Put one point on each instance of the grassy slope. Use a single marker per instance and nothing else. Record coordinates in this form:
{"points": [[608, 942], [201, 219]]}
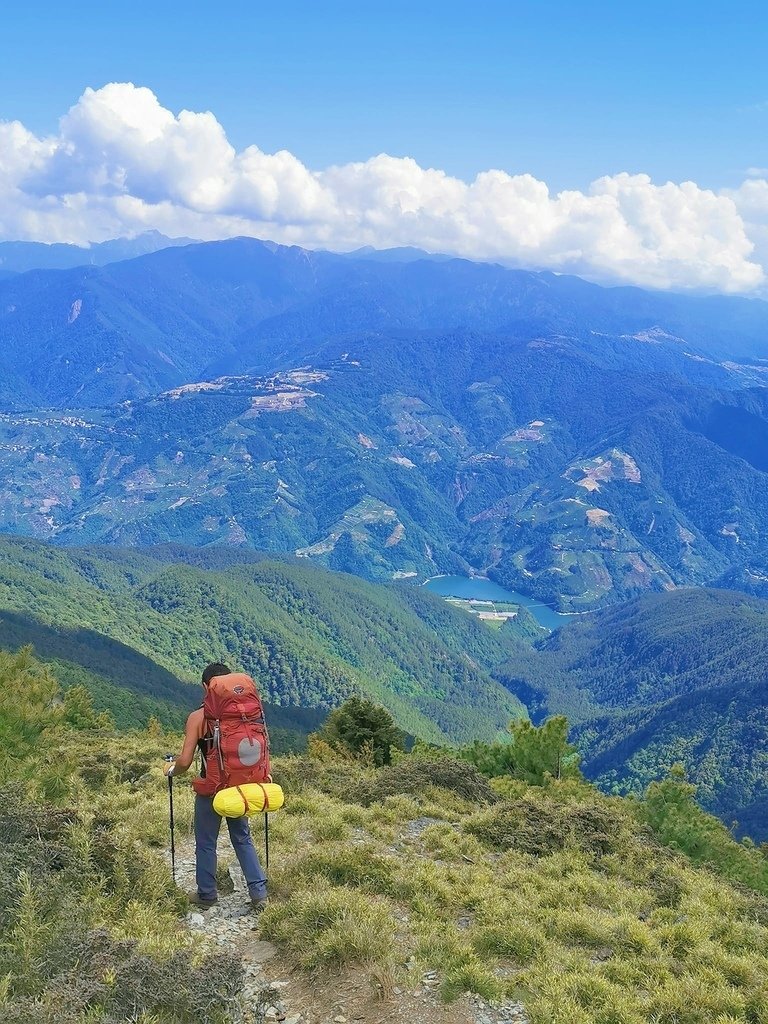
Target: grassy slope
{"points": [[309, 637], [559, 897], [588, 909]]}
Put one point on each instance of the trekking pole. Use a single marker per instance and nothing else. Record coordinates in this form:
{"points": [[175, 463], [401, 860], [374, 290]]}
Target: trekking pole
{"points": [[171, 757], [266, 844]]}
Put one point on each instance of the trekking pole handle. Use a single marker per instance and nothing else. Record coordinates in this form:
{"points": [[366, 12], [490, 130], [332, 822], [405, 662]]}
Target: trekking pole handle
{"points": [[171, 758]]}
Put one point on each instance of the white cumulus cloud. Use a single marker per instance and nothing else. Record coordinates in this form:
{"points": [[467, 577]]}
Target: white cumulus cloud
{"points": [[121, 163]]}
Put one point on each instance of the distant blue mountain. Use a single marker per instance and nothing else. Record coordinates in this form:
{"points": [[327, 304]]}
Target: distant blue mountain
{"points": [[393, 419], [97, 335], [18, 257], [399, 254]]}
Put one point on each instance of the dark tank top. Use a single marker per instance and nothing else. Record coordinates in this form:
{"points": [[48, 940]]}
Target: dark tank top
{"points": [[204, 746]]}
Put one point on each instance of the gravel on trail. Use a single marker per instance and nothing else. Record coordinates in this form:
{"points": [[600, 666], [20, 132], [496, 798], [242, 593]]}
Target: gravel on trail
{"points": [[273, 994]]}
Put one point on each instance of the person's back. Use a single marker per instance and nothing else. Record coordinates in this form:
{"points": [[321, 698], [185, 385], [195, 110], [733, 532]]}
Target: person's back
{"points": [[199, 735]]}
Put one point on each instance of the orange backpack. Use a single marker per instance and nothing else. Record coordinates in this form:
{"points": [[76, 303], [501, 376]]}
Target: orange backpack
{"points": [[235, 744]]}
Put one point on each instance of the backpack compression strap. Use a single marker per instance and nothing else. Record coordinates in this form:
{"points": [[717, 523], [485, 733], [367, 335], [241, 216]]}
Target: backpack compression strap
{"points": [[244, 798]]}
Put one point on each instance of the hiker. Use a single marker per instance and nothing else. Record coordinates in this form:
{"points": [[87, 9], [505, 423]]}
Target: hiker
{"points": [[199, 735]]}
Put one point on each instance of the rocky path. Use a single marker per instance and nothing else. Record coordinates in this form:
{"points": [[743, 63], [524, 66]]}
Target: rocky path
{"points": [[273, 994], [232, 924]]}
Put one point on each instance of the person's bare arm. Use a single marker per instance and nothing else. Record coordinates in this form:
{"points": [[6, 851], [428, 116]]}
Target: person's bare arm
{"points": [[191, 736]]}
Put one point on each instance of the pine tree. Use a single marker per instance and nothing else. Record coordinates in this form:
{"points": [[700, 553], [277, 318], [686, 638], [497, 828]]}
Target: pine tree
{"points": [[364, 729], [534, 753]]}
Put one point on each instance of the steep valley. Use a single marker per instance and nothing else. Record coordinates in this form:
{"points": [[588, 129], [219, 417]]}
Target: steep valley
{"points": [[226, 421]]}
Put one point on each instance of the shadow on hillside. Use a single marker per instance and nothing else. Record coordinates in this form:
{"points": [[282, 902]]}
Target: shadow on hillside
{"points": [[127, 668], [116, 662]]}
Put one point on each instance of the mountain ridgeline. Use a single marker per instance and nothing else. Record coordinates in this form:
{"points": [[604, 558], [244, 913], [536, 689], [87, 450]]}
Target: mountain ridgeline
{"points": [[664, 679], [185, 312], [145, 623], [670, 678], [191, 438], [19, 257], [390, 419]]}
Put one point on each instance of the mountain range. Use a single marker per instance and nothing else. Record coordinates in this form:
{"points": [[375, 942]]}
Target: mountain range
{"points": [[666, 678], [227, 420], [663, 679], [148, 621], [393, 419], [18, 257]]}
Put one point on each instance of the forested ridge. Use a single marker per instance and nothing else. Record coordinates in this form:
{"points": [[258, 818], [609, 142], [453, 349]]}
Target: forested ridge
{"points": [[309, 637], [677, 677], [581, 444]]}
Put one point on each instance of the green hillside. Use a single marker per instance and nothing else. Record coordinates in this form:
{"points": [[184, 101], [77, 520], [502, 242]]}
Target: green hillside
{"points": [[413, 454], [130, 686], [678, 677], [309, 637], [421, 891]]}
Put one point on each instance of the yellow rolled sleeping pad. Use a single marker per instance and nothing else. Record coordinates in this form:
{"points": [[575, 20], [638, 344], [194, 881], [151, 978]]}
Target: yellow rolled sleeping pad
{"points": [[250, 798]]}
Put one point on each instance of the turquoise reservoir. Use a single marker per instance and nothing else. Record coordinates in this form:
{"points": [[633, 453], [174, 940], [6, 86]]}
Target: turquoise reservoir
{"points": [[480, 589]]}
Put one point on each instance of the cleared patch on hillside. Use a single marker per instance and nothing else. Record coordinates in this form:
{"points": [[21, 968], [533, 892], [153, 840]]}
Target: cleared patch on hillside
{"points": [[602, 469]]}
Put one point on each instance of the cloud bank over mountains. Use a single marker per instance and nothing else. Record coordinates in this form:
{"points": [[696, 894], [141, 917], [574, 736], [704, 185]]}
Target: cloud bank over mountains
{"points": [[121, 163]]}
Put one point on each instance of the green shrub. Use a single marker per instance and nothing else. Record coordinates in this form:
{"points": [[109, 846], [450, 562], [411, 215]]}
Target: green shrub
{"points": [[298, 772], [677, 821], [415, 776], [364, 730], [59, 877], [519, 825], [111, 981], [533, 754], [542, 827]]}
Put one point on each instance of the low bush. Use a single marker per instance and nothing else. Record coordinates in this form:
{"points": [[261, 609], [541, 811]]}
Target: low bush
{"points": [[541, 826], [107, 980], [60, 876], [299, 772], [415, 776]]}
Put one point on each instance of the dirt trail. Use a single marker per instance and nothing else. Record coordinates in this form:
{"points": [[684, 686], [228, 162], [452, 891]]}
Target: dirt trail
{"points": [[274, 994]]}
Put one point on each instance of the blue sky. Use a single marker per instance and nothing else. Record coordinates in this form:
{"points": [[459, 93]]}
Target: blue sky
{"points": [[564, 91], [625, 143]]}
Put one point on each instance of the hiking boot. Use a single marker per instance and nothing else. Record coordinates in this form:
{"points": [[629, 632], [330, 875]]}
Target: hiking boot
{"points": [[197, 901], [259, 905]]}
